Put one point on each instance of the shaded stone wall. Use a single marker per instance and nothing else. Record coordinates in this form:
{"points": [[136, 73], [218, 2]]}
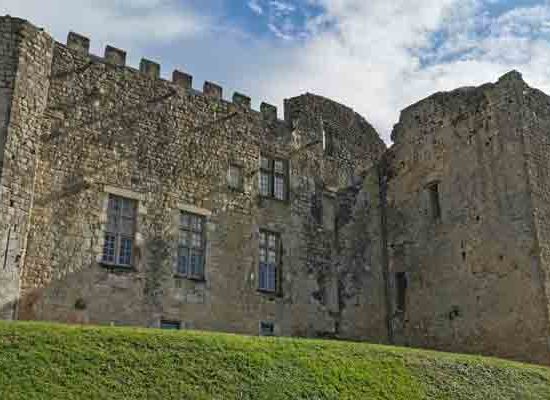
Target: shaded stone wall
{"points": [[25, 64], [535, 120], [359, 260], [473, 274], [114, 129]]}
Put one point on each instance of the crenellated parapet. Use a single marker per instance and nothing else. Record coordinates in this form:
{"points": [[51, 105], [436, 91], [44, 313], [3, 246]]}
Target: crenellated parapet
{"points": [[117, 57]]}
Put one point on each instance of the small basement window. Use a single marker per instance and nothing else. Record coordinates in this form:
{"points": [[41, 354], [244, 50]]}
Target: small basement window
{"points": [[267, 328], [174, 325], [400, 292], [435, 204]]}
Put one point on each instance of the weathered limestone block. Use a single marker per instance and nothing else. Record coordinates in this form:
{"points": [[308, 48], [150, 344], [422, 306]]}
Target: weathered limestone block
{"points": [[115, 56], [182, 79]]}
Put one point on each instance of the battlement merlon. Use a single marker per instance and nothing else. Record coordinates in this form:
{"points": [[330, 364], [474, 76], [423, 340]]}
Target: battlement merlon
{"points": [[115, 56], [78, 42]]}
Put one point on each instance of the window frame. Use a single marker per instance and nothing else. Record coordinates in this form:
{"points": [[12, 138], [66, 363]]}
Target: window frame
{"points": [[277, 290], [271, 172], [169, 324], [190, 232], [270, 326], [240, 184], [118, 233]]}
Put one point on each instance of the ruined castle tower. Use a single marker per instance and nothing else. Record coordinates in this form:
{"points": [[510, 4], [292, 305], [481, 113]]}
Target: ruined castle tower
{"points": [[129, 199], [467, 220]]}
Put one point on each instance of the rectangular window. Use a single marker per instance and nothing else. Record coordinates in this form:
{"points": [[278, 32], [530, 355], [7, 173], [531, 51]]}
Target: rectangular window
{"points": [[118, 247], [191, 248], [175, 325], [274, 178], [267, 328], [435, 204], [401, 289], [269, 261], [235, 177]]}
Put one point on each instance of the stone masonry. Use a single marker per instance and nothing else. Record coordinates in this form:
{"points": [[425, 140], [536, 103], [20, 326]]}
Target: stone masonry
{"points": [[306, 226]]}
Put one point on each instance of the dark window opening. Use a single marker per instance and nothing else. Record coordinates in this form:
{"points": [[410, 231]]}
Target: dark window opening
{"points": [[435, 204], [274, 178], [267, 328], [118, 246], [192, 246], [328, 139], [175, 325], [401, 289], [270, 244], [235, 177]]}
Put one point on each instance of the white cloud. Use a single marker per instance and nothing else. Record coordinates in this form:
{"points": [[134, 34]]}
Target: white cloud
{"points": [[130, 22], [281, 7], [279, 32], [380, 56], [255, 7]]}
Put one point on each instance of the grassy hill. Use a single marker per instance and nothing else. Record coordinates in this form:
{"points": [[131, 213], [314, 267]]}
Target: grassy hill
{"points": [[47, 361]]}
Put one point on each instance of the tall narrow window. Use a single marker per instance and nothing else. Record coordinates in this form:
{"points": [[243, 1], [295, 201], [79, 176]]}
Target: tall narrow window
{"points": [[269, 261], [401, 289], [328, 139], [191, 247], [274, 178], [235, 177], [435, 204], [118, 246]]}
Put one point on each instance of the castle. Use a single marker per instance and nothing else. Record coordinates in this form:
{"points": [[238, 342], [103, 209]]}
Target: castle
{"points": [[128, 199]]}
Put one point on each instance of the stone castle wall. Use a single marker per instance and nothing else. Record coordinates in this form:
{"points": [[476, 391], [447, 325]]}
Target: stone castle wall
{"points": [[24, 81], [440, 241], [535, 123], [114, 129]]}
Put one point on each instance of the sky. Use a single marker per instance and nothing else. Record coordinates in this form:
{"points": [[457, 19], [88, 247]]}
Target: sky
{"points": [[376, 56]]}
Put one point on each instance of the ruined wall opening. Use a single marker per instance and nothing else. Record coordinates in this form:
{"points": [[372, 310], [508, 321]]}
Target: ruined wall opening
{"points": [[435, 202], [400, 291], [328, 139]]}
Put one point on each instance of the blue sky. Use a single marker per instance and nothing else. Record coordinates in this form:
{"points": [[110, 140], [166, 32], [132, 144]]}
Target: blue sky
{"points": [[377, 56]]}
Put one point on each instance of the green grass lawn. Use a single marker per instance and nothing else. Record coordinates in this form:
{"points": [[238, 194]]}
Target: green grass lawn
{"points": [[48, 361]]}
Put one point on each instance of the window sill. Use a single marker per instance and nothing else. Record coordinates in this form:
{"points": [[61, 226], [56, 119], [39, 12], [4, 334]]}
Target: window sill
{"points": [[117, 267], [190, 278], [270, 293], [271, 198], [235, 189]]}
